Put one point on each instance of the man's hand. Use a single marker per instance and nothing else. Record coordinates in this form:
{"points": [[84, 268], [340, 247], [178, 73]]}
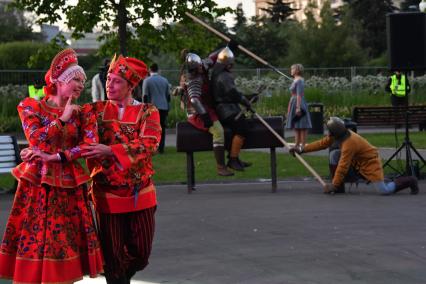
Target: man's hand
{"points": [[295, 149], [95, 150], [207, 120], [28, 154], [329, 188], [245, 102]]}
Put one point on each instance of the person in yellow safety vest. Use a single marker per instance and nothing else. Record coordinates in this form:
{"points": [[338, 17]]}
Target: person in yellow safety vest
{"points": [[36, 91], [399, 88]]}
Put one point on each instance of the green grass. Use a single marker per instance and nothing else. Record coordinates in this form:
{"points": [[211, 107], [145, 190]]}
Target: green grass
{"points": [[386, 140], [171, 167]]}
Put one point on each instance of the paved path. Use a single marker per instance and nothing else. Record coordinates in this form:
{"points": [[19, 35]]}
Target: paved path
{"points": [[243, 233]]}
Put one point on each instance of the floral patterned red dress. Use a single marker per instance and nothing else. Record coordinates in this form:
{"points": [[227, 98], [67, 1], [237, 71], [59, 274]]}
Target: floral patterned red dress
{"points": [[50, 236]]}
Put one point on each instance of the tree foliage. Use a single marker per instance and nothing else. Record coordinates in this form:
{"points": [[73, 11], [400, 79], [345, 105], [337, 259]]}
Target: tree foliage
{"points": [[369, 18], [279, 11], [14, 26], [130, 20], [15, 55], [323, 43]]}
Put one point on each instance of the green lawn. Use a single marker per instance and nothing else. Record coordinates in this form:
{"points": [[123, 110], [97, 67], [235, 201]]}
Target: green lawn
{"points": [[171, 166]]}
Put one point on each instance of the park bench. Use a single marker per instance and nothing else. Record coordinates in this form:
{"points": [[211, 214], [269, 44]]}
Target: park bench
{"points": [[390, 116], [9, 156], [190, 140]]}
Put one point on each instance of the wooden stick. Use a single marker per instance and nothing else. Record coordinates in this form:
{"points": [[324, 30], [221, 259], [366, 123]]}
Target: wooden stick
{"points": [[307, 166], [242, 48]]}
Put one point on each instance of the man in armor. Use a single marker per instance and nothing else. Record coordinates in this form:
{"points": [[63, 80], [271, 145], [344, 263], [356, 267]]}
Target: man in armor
{"points": [[355, 152], [195, 97], [227, 100]]}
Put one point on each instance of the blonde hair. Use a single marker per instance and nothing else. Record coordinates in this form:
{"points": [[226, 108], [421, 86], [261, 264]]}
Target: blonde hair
{"points": [[298, 68]]}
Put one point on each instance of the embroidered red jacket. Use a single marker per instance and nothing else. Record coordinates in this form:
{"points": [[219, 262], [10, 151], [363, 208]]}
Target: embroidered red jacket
{"points": [[123, 182], [44, 131]]}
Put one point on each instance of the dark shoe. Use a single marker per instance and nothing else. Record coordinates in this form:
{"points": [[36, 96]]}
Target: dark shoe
{"points": [[244, 164], [234, 163], [405, 182]]}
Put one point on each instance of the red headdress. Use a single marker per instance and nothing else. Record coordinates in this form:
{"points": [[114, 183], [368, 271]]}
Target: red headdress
{"points": [[63, 68], [131, 69]]}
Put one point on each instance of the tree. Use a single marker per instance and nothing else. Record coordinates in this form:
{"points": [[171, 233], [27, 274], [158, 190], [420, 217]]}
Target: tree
{"points": [[14, 26], [279, 11], [323, 43], [240, 18], [370, 23], [131, 20]]}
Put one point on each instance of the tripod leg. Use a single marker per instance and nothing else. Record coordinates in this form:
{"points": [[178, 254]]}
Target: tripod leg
{"points": [[418, 154], [394, 155], [409, 167]]}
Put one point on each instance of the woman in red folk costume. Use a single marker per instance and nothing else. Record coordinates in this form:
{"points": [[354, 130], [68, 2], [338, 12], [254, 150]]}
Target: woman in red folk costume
{"points": [[123, 191], [50, 235]]}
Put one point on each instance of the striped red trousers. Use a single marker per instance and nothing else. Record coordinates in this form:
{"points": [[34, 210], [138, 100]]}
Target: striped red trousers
{"points": [[126, 241]]}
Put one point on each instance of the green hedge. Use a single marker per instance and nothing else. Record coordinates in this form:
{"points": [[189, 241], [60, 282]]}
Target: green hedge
{"points": [[336, 103]]}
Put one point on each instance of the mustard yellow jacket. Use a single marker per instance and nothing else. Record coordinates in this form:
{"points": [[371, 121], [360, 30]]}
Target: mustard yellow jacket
{"points": [[356, 152]]}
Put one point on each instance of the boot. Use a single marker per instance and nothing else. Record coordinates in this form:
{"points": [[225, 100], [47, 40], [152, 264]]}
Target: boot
{"points": [[245, 164], [219, 154], [234, 163], [340, 188], [405, 182], [236, 145]]}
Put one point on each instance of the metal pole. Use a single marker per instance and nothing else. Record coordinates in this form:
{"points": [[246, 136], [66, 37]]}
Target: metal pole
{"points": [[307, 166], [240, 47]]}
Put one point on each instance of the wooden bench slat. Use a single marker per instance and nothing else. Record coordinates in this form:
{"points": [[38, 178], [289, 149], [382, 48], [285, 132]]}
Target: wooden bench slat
{"points": [[6, 139], [389, 116], [8, 165], [7, 153], [5, 170], [7, 158], [6, 146]]}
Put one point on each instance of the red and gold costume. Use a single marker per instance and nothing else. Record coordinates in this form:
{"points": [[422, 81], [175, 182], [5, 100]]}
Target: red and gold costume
{"points": [[50, 235], [133, 140], [122, 188]]}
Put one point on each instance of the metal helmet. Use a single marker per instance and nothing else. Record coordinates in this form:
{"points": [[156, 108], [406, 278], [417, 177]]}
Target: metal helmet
{"points": [[336, 127], [193, 61], [226, 56]]}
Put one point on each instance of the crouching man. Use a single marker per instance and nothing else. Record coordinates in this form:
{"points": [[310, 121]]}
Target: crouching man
{"points": [[353, 152]]}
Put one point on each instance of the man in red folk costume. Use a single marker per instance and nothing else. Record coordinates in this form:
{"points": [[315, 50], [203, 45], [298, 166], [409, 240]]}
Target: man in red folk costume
{"points": [[50, 235], [121, 168]]}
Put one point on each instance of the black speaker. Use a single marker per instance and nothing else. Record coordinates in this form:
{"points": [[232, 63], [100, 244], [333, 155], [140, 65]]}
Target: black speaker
{"points": [[406, 40]]}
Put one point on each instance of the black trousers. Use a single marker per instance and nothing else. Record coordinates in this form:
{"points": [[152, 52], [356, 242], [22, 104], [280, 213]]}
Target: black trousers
{"points": [[163, 120], [238, 127], [399, 101]]}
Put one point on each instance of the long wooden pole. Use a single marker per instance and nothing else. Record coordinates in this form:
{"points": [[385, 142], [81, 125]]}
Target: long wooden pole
{"points": [[307, 166], [242, 48]]}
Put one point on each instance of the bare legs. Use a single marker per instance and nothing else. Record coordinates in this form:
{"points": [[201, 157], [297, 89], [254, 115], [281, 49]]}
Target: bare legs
{"points": [[300, 135]]}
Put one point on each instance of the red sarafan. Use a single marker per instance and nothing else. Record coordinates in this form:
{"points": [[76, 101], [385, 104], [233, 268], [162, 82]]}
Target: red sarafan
{"points": [[50, 235]]}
